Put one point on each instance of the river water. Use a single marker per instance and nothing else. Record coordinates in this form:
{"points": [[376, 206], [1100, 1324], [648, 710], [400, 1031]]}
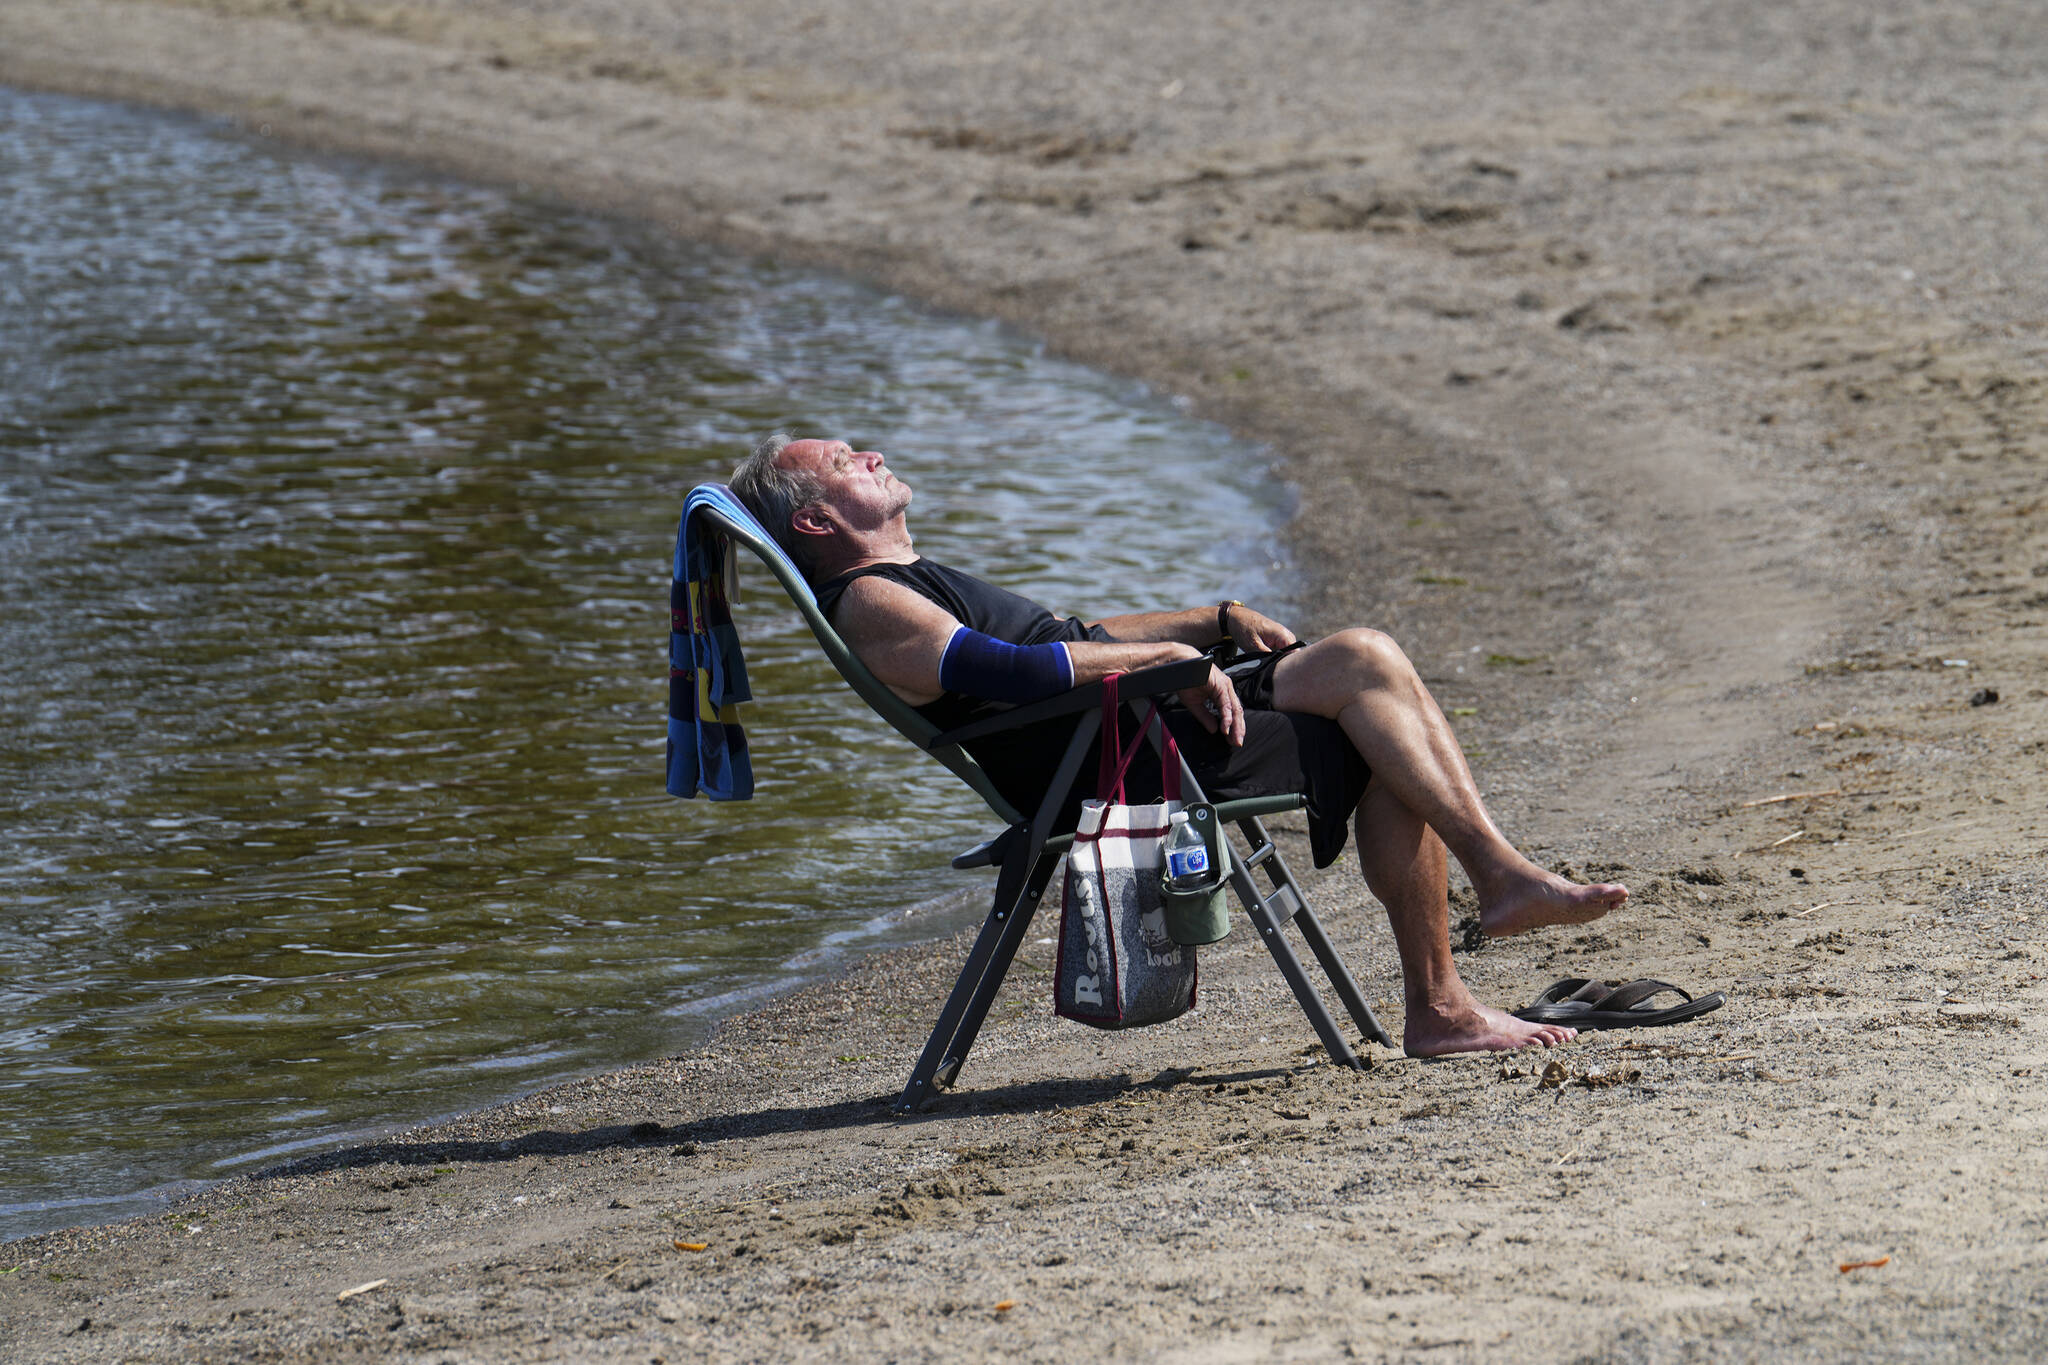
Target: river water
{"points": [[336, 505]]}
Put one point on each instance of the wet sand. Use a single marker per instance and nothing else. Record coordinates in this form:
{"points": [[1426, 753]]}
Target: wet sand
{"points": [[1671, 383]]}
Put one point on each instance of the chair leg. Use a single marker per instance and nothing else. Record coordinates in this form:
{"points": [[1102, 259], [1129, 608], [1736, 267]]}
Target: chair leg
{"points": [[1340, 977], [998, 968], [1026, 869], [1305, 995], [1333, 966], [987, 962], [1282, 879]]}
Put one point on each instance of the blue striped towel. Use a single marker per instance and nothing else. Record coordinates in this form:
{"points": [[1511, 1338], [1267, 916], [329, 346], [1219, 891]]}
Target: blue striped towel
{"points": [[707, 678]]}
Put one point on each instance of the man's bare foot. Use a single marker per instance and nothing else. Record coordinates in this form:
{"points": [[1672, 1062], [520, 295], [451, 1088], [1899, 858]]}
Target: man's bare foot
{"points": [[1475, 1028], [1532, 899]]}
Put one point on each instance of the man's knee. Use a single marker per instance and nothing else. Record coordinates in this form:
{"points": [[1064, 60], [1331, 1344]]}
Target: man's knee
{"points": [[1375, 653]]}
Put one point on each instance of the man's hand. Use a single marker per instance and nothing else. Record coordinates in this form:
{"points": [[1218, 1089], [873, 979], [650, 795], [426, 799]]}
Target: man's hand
{"points": [[1216, 706], [1257, 633]]}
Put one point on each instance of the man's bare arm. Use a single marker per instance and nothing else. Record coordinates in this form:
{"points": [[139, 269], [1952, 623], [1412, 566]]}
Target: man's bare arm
{"points": [[1197, 627], [901, 636], [1215, 703], [1194, 627]]}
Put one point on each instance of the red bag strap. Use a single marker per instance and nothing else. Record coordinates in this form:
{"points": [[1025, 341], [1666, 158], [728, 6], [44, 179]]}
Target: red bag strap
{"points": [[1169, 763], [1116, 758], [1109, 773]]}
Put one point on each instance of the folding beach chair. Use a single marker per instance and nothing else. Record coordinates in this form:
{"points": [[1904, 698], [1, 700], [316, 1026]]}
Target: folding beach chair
{"points": [[1027, 851]]}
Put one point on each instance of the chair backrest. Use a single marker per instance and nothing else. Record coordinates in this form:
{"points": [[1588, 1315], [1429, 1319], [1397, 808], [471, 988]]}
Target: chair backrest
{"points": [[886, 704]]}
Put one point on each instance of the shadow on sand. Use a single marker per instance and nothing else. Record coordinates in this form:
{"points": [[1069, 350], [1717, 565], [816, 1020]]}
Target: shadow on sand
{"points": [[1027, 1097]]}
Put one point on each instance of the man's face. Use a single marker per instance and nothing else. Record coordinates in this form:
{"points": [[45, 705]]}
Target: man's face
{"points": [[860, 492]]}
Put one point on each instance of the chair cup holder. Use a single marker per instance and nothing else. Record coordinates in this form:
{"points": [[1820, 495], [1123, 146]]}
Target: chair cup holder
{"points": [[1197, 917], [1202, 915]]}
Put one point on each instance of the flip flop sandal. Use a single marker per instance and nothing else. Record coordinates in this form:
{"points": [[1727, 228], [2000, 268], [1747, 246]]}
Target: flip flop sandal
{"points": [[1578, 1003]]}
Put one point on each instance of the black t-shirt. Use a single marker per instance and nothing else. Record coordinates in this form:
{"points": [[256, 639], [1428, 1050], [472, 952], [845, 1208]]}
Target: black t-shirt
{"points": [[1018, 762], [995, 612]]}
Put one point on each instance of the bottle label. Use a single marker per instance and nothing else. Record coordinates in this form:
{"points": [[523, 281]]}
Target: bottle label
{"points": [[1187, 862]]}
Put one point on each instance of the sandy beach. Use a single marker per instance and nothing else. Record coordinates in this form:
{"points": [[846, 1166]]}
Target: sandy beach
{"points": [[1669, 380]]}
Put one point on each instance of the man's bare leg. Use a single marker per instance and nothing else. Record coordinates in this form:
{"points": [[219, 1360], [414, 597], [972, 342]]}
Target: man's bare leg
{"points": [[1362, 680], [1405, 866]]}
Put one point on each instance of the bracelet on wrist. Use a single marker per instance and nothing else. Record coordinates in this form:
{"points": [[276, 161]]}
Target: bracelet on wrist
{"points": [[1223, 635]]}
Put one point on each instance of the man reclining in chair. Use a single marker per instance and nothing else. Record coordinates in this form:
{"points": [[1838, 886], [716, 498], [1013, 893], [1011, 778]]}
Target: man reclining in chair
{"points": [[1345, 720]]}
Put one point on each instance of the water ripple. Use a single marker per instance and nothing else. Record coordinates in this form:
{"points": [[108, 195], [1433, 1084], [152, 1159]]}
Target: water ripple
{"points": [[337, 506]]}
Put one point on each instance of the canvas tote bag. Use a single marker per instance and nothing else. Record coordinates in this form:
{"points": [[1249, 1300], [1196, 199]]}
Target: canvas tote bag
{"points": [[1117, 967]]}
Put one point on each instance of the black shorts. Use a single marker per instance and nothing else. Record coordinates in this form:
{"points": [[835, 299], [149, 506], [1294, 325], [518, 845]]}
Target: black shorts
{"points": [[1283, 751]]}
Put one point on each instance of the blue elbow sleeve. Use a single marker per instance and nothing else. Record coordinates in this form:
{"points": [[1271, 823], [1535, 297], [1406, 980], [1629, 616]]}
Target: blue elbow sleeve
{"points": [[978, 665]]}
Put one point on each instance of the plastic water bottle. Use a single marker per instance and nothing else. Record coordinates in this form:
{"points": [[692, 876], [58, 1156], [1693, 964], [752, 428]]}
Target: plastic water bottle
{"points": [[1187, 857]]}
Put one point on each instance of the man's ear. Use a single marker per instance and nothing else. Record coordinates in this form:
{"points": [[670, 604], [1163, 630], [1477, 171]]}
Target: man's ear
{"points": [[812, 521]]}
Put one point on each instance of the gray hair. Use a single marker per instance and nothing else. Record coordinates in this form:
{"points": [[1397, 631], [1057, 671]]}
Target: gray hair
{"points": [[775, 495]]}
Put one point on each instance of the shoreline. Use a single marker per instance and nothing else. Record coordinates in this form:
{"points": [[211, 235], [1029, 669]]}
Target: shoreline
{"points": [[817, 966], [121, 1164], [1646, 387]]}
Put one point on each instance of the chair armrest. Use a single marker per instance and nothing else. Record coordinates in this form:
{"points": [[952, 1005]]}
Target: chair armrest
{"points": [[1145, 682]]}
